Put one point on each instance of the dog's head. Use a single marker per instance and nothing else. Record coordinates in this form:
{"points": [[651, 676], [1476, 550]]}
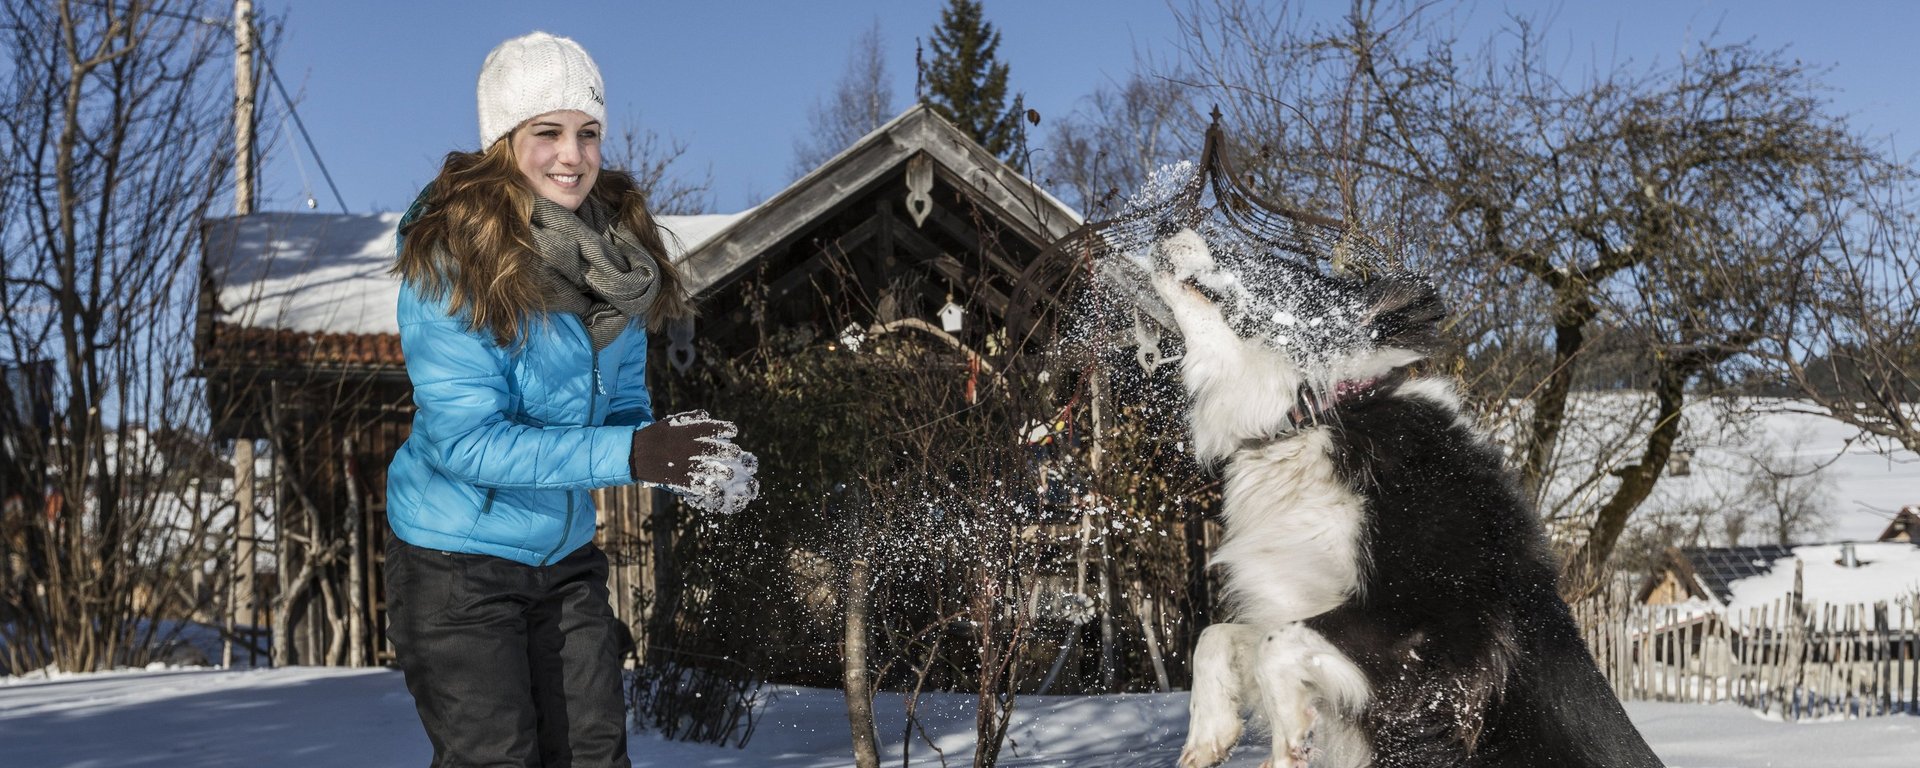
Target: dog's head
{"points": [[1260, 330]]}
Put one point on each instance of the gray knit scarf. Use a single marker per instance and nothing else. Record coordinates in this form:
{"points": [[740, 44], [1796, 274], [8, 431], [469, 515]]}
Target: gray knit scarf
{"points": [[596, 268]]}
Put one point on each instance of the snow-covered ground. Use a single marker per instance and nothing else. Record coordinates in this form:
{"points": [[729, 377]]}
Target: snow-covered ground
{"points": [[314, 718]]}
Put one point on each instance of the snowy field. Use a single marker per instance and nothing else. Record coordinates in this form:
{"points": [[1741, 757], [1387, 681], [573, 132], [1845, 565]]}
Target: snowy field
{"points": [[1859, 484], [317, 718]]}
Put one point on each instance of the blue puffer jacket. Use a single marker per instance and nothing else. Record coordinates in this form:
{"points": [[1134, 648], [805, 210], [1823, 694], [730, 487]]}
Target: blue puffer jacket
{"points": [[506, 443]]}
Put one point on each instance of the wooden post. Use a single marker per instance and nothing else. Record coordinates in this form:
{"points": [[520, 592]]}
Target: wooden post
{"points": [[280, 652], [859, 691], [1728, 661], [665, 605], [1149, 614], [1912, 634], [1882, 644], [240, 608], [356, 560], [1649, 653], [244, 173], [1796, 631], [1108, 650], [1769, 655]]}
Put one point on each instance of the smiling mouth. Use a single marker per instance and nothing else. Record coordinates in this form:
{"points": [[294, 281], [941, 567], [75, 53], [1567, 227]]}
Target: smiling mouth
{"points": [[565, 180]]}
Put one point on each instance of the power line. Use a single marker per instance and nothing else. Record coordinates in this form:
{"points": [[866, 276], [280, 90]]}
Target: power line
{"points": [[274, 75], [227, 24]]}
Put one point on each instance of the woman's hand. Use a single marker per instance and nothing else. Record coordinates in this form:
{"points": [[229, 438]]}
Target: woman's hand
{"points": [[666, 451], [693, 455]]}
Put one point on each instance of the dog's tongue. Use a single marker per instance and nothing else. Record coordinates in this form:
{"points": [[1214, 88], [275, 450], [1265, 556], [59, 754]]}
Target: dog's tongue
{"points": [[1350, 387]]}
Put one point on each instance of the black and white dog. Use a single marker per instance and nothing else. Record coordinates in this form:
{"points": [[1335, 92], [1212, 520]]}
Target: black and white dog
{"points": [[1393, 598]]}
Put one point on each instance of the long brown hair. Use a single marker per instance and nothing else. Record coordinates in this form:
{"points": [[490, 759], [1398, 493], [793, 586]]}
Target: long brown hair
{"points": [[473, 240]]}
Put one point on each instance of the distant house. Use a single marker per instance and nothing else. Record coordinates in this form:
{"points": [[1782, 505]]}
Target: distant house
{"points": [[1740, 577], [1905, 526], [1706, 573]]}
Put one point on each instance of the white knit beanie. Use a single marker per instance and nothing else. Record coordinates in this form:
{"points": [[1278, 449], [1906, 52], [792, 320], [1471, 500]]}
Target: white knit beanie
{"points": [[532, 75]]}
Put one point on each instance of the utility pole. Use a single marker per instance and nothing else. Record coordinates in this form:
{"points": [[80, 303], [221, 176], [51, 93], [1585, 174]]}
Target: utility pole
{"points": [[241, 609], [243, 97]]}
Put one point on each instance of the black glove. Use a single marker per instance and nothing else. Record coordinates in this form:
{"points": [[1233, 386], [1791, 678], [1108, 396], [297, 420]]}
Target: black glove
{"points": [[668, 452]]}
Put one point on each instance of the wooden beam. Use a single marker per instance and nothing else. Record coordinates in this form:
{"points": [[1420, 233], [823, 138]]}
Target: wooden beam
{"points": [[887, 309], [969, 237], [953, 270], [778, 223], [794, 278]]}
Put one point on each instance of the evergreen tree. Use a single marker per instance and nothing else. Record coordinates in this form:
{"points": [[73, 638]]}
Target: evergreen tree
{"points": [[964, 82]]}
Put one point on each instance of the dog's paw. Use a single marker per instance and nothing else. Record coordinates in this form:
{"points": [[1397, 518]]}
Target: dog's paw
{"points": [[1297, 757], [1203, 755], [1186, 254]]}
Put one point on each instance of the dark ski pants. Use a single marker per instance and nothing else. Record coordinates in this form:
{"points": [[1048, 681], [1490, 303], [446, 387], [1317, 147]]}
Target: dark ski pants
{"points": [[509, 664]]}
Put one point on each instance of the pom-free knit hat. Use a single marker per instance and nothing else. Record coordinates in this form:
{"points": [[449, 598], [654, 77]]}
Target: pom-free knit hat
{"points": [[532, 75]]}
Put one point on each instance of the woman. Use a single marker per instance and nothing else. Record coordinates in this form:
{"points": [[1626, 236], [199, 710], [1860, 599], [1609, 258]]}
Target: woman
{"points": [[529, 276]]}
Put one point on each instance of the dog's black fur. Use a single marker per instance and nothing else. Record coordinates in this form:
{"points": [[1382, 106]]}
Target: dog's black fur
{"points": [[1473, 658]]}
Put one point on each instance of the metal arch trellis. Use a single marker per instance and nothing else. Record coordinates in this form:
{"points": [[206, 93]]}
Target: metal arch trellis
{"points": [[1216, 195], [1304, 235]]}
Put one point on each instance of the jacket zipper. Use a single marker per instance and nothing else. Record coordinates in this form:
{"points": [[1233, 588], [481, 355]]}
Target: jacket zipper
{"points": [[593, 406]]}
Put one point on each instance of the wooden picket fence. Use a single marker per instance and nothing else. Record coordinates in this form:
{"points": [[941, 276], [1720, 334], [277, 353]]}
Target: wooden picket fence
{"points": [[1792, 658]]}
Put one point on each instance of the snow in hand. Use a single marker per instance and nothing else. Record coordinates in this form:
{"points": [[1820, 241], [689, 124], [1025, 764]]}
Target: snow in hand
{"points": [[310, 717], [723, 476]]}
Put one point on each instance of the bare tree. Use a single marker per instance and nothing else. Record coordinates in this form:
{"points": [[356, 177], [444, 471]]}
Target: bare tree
{"points": [[1855, 350], [862, 100], [112, 119], [650, 158], [1788, 490], [1108, 147]]}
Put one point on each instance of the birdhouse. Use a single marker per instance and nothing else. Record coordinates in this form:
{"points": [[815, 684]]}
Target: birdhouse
{"points": [[950, 317]]}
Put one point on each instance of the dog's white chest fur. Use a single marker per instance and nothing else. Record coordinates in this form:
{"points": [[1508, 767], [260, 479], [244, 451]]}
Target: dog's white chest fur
{"points": [[1292, 545]]}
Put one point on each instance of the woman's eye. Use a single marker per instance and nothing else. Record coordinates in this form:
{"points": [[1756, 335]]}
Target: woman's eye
{"points": [[589, 134]]}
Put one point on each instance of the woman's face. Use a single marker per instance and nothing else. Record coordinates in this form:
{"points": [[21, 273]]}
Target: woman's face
{"points": [[560, 154]]}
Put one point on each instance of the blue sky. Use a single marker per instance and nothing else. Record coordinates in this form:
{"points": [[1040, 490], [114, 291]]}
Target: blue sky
{"points": [[386, 87]]}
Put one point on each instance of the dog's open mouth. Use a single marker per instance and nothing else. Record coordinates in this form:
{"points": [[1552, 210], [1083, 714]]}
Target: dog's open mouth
{"points": [[1213, 295]]}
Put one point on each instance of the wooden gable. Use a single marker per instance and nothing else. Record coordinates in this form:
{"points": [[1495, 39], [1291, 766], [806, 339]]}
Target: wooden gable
{"points": [[1904, 527], [913, 216], [1674, 581]]}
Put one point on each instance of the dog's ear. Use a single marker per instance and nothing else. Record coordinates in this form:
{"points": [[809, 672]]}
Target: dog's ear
{"points": [[1403, 311]]}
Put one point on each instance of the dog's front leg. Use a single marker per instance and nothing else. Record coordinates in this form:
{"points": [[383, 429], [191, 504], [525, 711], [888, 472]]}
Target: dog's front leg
{"points": [[1221, 660], [1304, 680]]}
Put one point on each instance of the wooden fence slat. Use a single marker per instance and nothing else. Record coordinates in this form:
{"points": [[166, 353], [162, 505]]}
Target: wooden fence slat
{"points": [[1883, 643]]}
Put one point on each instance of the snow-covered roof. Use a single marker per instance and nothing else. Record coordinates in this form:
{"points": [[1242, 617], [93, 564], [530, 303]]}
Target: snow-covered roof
{"points": [[327, 273], [1716, 569], [1887, 570], [1011, 199]]}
